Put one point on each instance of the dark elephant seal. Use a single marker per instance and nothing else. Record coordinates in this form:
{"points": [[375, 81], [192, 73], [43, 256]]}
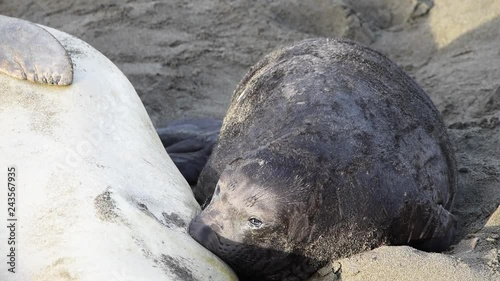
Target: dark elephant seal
{"points": [[328, 149]]}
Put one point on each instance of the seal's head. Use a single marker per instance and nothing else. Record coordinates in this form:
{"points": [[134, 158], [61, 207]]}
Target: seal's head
{"points": [[258, 220]]}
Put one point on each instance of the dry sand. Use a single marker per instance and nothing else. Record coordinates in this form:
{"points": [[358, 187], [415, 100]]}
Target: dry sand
{"points": [[185, 58]]}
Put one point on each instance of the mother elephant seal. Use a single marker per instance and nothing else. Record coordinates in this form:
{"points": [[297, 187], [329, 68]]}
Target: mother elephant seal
{"points": [[90, 192], [328, 149]]}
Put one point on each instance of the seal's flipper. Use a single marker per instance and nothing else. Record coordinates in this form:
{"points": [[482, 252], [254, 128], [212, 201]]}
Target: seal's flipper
{"points": [[441, 232], [189, 144], [29, 52]]}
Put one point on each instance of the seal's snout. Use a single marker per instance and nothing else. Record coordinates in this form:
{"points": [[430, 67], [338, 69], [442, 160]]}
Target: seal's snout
{"points": [[200, 232]]}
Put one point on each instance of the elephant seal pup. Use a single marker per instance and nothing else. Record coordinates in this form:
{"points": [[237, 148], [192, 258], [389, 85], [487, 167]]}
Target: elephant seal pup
{"points": [[29, 52], [328, 149]]}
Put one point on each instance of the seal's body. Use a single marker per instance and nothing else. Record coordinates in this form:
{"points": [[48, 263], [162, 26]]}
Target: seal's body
{"points": [[63, 136], [328, 149]]}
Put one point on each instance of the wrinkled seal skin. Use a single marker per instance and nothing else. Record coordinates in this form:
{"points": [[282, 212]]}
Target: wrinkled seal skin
{"points": [[328, 149], [29, 52]]}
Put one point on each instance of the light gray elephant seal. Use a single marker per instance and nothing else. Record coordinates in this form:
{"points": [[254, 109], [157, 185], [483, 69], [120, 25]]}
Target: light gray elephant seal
{"points": [[83, 194], [29, 52], [328, 149]]}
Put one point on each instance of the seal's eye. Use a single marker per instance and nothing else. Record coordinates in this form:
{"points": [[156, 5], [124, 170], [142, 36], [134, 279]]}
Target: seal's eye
{"points": [[215, 197], [256, 223], [217, 190]]}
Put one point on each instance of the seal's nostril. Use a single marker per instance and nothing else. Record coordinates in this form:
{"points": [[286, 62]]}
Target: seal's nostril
{"points": [[205, 231]]}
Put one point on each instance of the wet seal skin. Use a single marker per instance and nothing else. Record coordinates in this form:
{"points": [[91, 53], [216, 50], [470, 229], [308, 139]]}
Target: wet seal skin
{"points": [[328, 149], [29, 52]]}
